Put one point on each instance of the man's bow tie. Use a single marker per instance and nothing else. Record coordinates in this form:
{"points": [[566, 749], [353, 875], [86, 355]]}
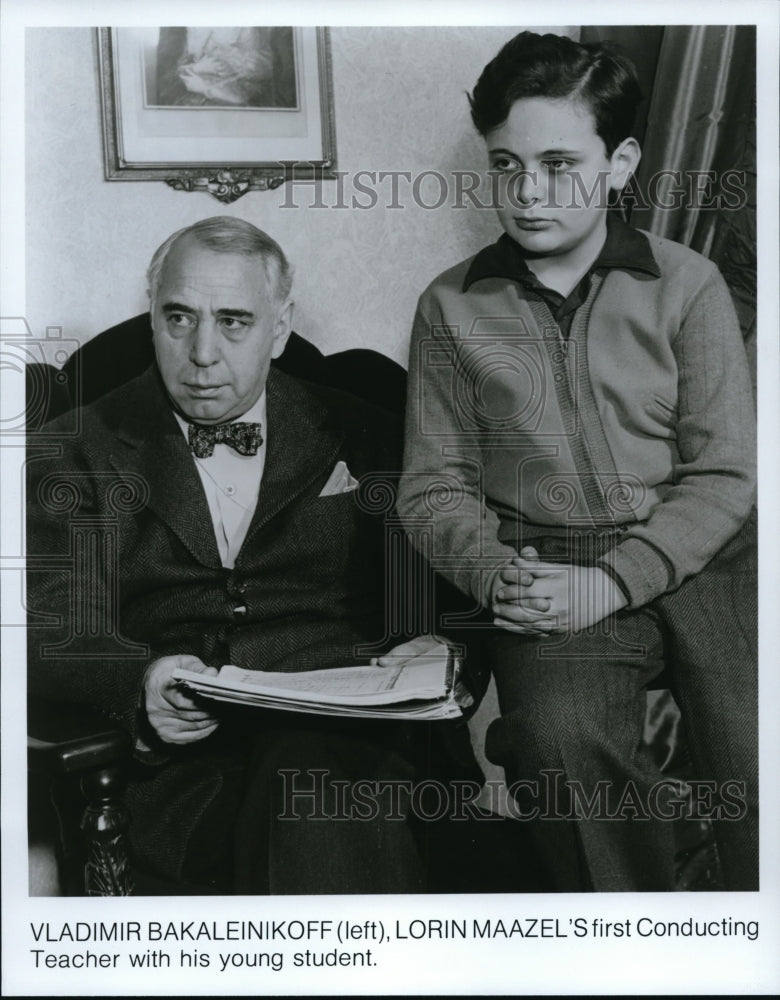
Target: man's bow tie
{"points": [[245, 438]]}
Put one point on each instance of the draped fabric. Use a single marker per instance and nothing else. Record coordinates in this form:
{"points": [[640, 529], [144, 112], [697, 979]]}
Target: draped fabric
{"points": [[696, 182], [699, 157]]}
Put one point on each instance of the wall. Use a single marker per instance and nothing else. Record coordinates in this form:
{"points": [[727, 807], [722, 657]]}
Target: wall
{"points": [[400, 104]]}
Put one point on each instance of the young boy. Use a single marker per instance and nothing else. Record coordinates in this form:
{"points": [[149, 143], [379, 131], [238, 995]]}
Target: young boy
{"points": [[580, 459]]}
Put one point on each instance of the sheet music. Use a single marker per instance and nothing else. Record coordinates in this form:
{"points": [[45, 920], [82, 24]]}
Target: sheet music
{"points": [[415, 687]]}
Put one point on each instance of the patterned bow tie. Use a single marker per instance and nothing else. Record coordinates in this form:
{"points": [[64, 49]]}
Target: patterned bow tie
{"points": [[245, 438]]}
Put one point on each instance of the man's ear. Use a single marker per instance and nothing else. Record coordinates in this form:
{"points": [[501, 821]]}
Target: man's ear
{"points": [[283, 328], [623, 163], [152, 320]]}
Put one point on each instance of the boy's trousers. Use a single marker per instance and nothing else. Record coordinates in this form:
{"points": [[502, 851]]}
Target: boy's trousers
{"points": [[573, 709]]}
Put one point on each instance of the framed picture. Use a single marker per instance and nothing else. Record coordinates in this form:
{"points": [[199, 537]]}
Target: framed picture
{"points": [[222, 110]]}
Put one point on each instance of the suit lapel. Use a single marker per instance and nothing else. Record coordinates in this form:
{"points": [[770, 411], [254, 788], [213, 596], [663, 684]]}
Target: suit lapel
{"points": [[300, 446], [151, 444]]}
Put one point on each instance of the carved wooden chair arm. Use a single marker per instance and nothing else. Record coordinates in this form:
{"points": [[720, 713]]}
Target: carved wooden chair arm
{"points": [[75, 749]]}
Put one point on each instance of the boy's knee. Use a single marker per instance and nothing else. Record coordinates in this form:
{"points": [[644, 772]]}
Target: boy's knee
{"points": [[522, 739]]}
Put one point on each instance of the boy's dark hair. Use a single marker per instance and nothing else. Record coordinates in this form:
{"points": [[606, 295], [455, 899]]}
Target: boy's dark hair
{"points": [[532, 65]]}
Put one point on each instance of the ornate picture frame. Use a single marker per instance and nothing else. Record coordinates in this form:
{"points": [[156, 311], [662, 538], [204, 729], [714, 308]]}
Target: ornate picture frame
{"points": [[219, 110]]}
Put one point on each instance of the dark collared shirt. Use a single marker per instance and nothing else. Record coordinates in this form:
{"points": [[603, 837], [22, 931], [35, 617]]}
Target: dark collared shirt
{"points": [[624, 247]]}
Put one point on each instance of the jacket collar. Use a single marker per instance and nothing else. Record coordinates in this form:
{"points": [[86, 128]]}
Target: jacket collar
{"points": [[625, 248], [301, 444]]}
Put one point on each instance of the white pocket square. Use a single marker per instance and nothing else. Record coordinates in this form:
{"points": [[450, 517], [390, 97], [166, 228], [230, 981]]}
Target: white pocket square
{"points": [[340, 480]]}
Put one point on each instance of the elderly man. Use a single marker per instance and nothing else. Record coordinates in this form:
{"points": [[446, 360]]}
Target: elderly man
{"points": [[229, 532]]}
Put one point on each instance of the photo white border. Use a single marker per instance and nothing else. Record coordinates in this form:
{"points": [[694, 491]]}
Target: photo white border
{"points": [[639, 967]]}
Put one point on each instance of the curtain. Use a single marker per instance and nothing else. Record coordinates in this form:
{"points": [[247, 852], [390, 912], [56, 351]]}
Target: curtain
{"points": [[699, 157], [696, 182]]}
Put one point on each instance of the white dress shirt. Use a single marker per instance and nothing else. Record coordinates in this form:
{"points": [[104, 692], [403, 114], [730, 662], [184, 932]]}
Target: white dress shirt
{"points": [[232, 483]]}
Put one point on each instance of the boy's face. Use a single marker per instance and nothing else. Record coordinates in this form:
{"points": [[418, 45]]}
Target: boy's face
{"points": [[555, 176]]}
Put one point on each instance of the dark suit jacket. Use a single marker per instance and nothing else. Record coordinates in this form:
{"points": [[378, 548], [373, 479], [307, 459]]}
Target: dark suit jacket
{"points": [[123, 561]]}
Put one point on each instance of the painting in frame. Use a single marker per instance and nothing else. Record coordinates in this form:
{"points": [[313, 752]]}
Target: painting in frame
{"points": [[224, 110]]}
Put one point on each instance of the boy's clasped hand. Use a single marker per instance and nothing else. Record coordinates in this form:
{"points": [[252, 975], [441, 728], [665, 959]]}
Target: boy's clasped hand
{"points": [[531, 597]]}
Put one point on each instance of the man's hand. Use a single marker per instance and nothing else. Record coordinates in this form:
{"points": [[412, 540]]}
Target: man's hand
{"points": [[577, 597], [173, 713], [407, 650]]}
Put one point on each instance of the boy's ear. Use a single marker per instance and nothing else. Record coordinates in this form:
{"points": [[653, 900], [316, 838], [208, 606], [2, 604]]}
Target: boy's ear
{"points": [[624, 161]]}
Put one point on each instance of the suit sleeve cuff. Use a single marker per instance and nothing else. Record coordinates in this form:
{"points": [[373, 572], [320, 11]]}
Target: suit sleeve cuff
{"points": [[148, 748]]}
